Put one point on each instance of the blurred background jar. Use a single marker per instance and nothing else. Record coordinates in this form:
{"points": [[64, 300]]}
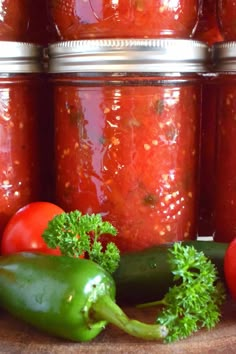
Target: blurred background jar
{"points": [[226, 12], [224, 55], [133, 154], [83, 19], [207, 30], [20, 161]]}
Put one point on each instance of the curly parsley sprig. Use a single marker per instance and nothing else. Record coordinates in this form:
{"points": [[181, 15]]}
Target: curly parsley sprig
{"points": [[75, 234], [195, 301]]}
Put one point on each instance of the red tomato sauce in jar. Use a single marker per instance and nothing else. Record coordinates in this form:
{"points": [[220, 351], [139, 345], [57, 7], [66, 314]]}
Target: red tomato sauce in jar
{"points": [[225, 203], [14, 19], [84, 19], [226, 13], [127, 144], [27, 21], [19, 144]]}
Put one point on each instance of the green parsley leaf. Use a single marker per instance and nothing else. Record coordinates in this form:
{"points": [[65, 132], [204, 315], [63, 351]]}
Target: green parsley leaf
{"points": [[75, 234], [195, 301]]}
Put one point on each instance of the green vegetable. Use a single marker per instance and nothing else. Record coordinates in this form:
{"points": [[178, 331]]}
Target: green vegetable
{"points": [[146, 275], [67, 297], [75, 234], [74, 298], [195, 301]]}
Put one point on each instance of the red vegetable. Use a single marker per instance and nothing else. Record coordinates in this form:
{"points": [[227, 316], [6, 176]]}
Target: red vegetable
{"points": [[24, 230], [230, 268]]}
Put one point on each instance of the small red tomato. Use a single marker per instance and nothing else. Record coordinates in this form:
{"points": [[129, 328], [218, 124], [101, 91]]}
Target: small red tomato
{"points": [[23, 232], [230, 268]]}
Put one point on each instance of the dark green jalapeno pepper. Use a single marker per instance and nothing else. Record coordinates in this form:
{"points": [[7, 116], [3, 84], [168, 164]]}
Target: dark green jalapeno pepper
{"points": [[146, 276], [68, 297]]}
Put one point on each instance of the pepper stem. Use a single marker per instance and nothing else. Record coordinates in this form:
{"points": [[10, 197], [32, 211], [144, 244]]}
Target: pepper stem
{"points": [[106, 309]]}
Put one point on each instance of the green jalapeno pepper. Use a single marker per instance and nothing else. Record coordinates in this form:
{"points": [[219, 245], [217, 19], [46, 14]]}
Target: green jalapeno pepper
{"points": [[68, 297], [145, 276]]}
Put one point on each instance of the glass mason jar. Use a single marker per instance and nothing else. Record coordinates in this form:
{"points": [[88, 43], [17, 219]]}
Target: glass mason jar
{"points": [[14, 19], [91, 19], [224, 55], [226, 12], [20, 180], [127, 117]]}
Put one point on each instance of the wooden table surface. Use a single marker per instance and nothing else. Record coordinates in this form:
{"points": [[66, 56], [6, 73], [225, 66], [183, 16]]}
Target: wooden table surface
{"points": [[17, 337]]}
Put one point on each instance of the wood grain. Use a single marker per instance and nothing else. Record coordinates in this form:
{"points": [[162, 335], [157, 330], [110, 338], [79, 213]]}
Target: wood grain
{"points": [[17, 337]]}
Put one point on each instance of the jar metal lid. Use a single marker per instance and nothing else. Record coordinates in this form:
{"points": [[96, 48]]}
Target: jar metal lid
{"points": [[19, 57], [129, 55], [224, 56]]}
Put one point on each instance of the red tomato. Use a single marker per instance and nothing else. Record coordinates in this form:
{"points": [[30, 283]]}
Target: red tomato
{"points": [[24, 230], [230, 268]]}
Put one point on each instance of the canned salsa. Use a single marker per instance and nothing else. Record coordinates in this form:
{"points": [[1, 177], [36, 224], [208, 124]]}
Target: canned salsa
{"points": [[226, 161], [127, 145], [225, 203], [226, 10], [20, 85], [14, 19], [83, 19]]}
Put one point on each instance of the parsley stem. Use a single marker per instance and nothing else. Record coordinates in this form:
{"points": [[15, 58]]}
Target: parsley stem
{"points": [[153, 303]]}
